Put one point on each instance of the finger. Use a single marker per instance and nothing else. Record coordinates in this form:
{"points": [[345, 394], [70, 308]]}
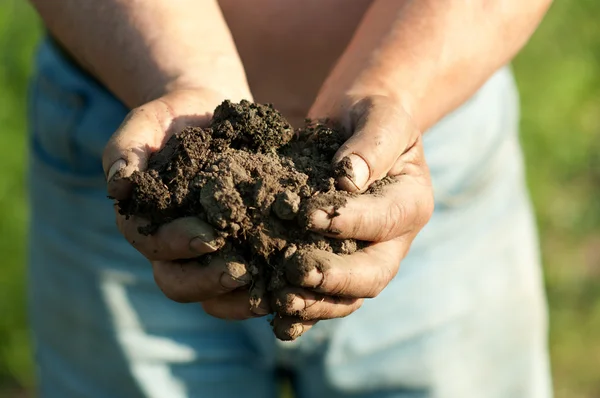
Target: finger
{"points": [[193, 282], [234, 306], [290, 328], [363, 274], [401, 207], [306, 305], [146, 129], [183, 238], [382, 132], [141, 133]]}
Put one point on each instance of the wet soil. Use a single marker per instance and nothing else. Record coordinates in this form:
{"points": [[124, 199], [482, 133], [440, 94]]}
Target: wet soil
{"points": [[255, 180]]}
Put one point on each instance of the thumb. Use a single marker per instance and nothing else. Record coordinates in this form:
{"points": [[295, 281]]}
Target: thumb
{"points": [[145, 130], [381, 133], [129, 148]]}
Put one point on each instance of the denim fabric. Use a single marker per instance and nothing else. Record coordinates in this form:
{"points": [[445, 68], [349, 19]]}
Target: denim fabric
{"points": [[465, 317]]}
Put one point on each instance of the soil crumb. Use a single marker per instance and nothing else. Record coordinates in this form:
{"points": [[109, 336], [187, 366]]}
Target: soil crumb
{"points": [[254, 179]]}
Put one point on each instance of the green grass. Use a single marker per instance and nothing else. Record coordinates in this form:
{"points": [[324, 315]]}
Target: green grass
{"points": [[18, 34], [559, 78]]}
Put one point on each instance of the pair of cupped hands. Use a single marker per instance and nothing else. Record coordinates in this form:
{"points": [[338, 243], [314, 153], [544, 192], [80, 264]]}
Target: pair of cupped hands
{"points": [[382, 141]]}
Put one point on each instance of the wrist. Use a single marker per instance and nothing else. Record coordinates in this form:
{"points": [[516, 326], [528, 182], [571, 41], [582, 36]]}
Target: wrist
{"points": [[197, 103], [338, 104], [189, 85], [399, 98]]}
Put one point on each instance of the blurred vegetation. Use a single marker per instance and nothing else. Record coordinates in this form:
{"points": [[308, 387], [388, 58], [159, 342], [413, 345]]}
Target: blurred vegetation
{"points": [[19, 31], [559, 79]]}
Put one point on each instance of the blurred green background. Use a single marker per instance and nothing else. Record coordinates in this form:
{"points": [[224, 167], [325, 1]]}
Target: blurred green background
{"points": [[559, 79]]}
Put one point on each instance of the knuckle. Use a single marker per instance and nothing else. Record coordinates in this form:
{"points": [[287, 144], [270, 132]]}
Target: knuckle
{"points": [[359, 223], [374, 292], [338, 286], [386, 274], [398, 213], [396, 220], [166, 280]]}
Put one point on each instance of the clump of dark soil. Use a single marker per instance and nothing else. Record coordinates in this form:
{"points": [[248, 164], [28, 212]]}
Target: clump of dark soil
{"points": [[254, 180]]}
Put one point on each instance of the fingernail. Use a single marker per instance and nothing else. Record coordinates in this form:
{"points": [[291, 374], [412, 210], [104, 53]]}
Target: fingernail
{"points": [[236, 276], [198, 245], [356, 170], [304, 270], [116, 167], [262, 309], [229, 282], [296, 330], [314, 279], [320, 220], [300, 304]]}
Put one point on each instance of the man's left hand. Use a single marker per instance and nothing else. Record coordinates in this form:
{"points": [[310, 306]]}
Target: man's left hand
{"points": [[384, 142]]}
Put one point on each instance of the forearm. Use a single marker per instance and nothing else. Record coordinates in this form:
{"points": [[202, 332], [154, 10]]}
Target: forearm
{"points": [[430, 55], [141, 49]]}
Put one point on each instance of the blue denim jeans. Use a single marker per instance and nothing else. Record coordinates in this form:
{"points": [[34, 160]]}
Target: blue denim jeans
{"points": [[464, 318]]}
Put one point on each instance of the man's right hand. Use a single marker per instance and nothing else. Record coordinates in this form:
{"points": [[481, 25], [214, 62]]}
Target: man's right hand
{"points": [[219, 286]]}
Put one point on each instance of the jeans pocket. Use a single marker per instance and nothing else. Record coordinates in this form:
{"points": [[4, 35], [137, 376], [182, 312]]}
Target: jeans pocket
{"points": [[54, 115], [71, 117]]}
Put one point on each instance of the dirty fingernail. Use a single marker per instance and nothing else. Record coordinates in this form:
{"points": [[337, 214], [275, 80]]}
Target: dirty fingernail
{"points": [[230, 282], [320, 220], [296, 330], [304, 270], [355, 170], [236, 275], [313, 279], [198, 245], [300, 304], [262, 309], [116, 167]]}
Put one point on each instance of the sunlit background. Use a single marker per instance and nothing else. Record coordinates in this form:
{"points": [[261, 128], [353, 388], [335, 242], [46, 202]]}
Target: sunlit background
{"points": [[559, 79]]}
